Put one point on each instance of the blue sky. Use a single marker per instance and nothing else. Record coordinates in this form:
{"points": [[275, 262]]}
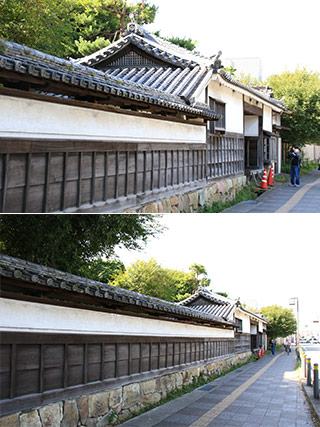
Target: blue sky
{"points": [[283, 33]]}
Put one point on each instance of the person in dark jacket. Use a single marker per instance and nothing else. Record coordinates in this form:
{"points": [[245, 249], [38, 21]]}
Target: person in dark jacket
{"points": [[273, 345], [294, 154]]}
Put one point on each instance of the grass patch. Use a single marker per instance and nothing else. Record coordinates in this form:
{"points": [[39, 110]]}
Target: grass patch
{"points": [[249, 192], [307, 166], [202, 380], [282, 178]]}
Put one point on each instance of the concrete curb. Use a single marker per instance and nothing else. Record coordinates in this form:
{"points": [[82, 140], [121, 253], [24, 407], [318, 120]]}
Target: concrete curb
{"points": [[315, 403]]}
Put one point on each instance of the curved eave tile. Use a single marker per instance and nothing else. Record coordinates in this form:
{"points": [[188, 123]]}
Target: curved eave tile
{"points": [[29, 272], [97, 81]]}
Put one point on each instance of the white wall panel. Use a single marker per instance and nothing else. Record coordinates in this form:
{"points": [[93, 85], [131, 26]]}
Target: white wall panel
{"points": [[25, 118], [33, 317]]}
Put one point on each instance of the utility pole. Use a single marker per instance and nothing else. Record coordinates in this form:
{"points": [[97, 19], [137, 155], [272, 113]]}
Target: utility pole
{"points": [[294, 301]]}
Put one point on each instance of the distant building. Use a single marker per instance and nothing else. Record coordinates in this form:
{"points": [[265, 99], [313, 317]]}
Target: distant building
{"points": [[310, 327], [252, 66]]}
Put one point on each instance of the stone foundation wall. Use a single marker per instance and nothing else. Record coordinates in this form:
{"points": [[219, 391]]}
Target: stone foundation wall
{"points": [[104, 408], [219, 191]]}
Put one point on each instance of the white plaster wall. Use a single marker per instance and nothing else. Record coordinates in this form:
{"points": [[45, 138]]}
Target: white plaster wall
{"points": [[260, 326], [267, 118], [234, 105], [279, 155], [251, 125], [33, 317], [253, 329], [25, 118], [276, 119], [245, 322]]}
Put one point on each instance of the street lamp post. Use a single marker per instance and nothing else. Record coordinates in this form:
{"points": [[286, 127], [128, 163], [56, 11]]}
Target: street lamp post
{"points": [[293, 301]]}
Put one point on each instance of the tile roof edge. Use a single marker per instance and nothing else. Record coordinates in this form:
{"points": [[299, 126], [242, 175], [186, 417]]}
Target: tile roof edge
{"points": [[49, 275], [165, 99], [229, 79]]}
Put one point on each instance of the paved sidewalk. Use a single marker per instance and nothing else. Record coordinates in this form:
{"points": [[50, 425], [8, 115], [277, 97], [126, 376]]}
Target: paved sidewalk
{"points": [[265, 393], [284, 199]]}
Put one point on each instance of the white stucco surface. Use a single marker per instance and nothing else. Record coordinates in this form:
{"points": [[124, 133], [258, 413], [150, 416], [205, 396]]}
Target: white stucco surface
{"points": [[26, 316], [26, 118], [267, 118], [251, 125], [233, 105]]}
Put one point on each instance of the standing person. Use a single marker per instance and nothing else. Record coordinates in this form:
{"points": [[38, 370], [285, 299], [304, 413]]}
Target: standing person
{"points": [[273, 345], [295, 157], [287, 346]]}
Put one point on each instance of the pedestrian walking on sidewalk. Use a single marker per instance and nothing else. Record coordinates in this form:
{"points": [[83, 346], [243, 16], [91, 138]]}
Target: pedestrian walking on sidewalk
{"points": [[294, 154], [287, 346], [273, 345]]}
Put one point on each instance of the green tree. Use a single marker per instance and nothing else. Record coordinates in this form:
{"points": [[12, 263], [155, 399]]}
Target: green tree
{"points": [[301, 93], [186, 43], [198, 276], [69, 27], [41, 24], [188, 283], [231, 70], [69, 242], [98, 23], [223, 294], [148, 278], [281, 321], [248, 80], [102, 270]]}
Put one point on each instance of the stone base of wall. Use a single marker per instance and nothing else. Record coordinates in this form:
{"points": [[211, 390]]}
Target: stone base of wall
{"points": [[219, 191], [104, 408]]}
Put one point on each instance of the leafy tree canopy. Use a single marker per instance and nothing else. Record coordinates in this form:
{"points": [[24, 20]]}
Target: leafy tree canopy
{"points": [[98, 23], [70, 242], [184, 42], [281, 321], [150, 278], [301, 92], [102, 270], [41, 24], [69, 27], [223, 294]]}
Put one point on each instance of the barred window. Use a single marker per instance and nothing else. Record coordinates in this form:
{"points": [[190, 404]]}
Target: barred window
{"points": [[218, 107]]}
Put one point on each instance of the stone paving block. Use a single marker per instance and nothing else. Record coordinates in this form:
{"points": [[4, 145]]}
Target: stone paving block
{"points": [[233, 423], [179, 417], [270, 422], [191, 411], [240, 417], [168, 424]]}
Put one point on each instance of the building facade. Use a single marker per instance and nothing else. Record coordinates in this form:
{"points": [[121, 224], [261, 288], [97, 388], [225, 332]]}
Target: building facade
{"points": [[137, 122], [80, 350]]}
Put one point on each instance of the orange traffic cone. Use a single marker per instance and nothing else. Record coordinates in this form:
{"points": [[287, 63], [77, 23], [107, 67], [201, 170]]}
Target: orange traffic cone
{"points": [[270, 177], [264, 180]]}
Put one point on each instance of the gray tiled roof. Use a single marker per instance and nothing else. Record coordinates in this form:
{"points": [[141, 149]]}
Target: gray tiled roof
{"points": [[180, 82], [206, 301], [181, 72], [259, 93], [25, 271], [209, 302], [23, 60], [224, 311], [176, 70], [150, 44]]}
